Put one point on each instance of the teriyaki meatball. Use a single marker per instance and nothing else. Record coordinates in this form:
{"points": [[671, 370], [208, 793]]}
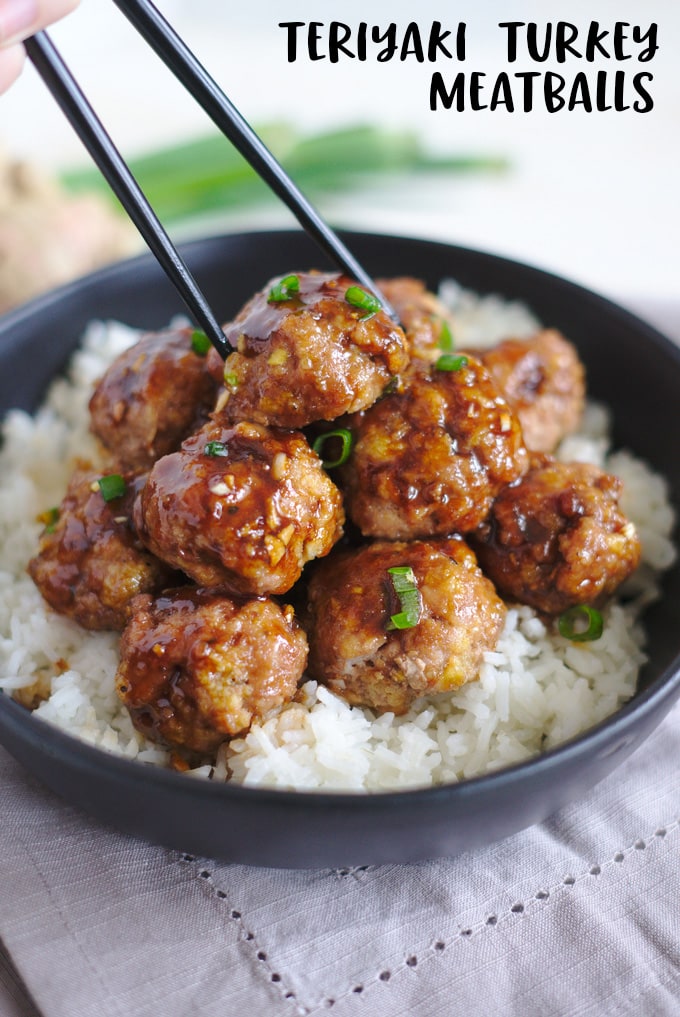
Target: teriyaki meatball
{"points": [[309, 346], [152, 396], [90, 563], [198, 667], [428, 461], [243, 507], [557, 538], [391, 622], [429, 325], [543, 379]]}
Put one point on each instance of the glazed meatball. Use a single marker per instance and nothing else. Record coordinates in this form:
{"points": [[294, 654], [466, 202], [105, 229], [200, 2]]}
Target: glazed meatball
{"points": [[423, 316], [241, 507], [355, 650], [557, 538], [90, 564], [197, 667], [312, 357], [428, 461], [544, 381], [151, 397]]}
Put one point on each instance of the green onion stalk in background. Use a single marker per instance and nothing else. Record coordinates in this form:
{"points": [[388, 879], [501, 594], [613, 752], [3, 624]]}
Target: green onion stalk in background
{"points": [[207, 176]]}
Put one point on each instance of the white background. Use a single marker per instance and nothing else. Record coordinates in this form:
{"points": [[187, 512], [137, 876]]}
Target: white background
{"points": [[591, 196]]}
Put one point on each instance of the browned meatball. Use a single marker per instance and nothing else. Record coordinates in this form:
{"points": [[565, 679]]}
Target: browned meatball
{"points": [[430, 460], [312, 357], [197, 667], [544, 381], [151, 397], [557, 538], [241, 507], [356, 653], [423, 316], [90, 563]]}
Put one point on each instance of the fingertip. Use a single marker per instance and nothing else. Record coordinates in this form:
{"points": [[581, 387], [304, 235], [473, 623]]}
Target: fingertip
{"points": [[11, 63], [21, 18]]}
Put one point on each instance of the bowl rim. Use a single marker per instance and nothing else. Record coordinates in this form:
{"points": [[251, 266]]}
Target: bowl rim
{"points": [[662, 689], [199, 245], [665, 687]]}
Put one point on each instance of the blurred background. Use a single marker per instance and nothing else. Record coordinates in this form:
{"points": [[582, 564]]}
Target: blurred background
{"points": [[589, 196]]}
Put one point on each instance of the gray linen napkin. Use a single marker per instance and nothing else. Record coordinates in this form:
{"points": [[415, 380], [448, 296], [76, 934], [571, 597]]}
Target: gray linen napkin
{"points": [[577, 916], [14, 997]]}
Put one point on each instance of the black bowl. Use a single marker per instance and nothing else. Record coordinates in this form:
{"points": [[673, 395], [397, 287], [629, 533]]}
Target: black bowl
{"points": [[630, 366]]}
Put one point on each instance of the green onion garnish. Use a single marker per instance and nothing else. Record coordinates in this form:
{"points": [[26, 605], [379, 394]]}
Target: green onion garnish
{"points": [[450, 362], [200, 343], [446, 343], [284, 290], [391, 387], [49, 519], [347, 440], [230, 379], [216, 448], [111, 486], [357, 297], [203, 175], [403, 582], [581, 624]]}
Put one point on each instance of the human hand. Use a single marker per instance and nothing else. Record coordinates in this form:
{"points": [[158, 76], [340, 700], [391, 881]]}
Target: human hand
{"points": [[18, 20]]}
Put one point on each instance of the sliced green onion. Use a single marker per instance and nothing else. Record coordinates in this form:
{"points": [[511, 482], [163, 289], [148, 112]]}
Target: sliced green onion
{"points": [[200, 343], [403, 582], [230, 379], [357, 297], [49, 519], [391, 387], [203, 175], [347, 440], [111, 486], [216, 448], [581, 624], [450, 362], [284, 290], [446, 343]]}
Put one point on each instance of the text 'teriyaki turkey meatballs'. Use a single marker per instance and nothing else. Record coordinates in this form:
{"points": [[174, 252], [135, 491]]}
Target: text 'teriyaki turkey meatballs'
{"points": [[543, 379], [90, 564], [429, 460], [557, 538], [197, 667], [307, 349], [361, 654], [152, 397], [243, 507]]}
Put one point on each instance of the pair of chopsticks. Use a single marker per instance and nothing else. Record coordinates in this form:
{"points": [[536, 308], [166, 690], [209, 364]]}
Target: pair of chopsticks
{"points": [[156, 31]]}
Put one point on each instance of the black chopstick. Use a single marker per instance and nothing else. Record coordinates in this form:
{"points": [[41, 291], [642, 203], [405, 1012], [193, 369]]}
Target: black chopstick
{"points": [[92, 133], [174, 52]]}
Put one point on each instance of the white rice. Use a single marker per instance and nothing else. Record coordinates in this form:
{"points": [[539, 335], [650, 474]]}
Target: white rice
{"points": [[535, 690]]}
